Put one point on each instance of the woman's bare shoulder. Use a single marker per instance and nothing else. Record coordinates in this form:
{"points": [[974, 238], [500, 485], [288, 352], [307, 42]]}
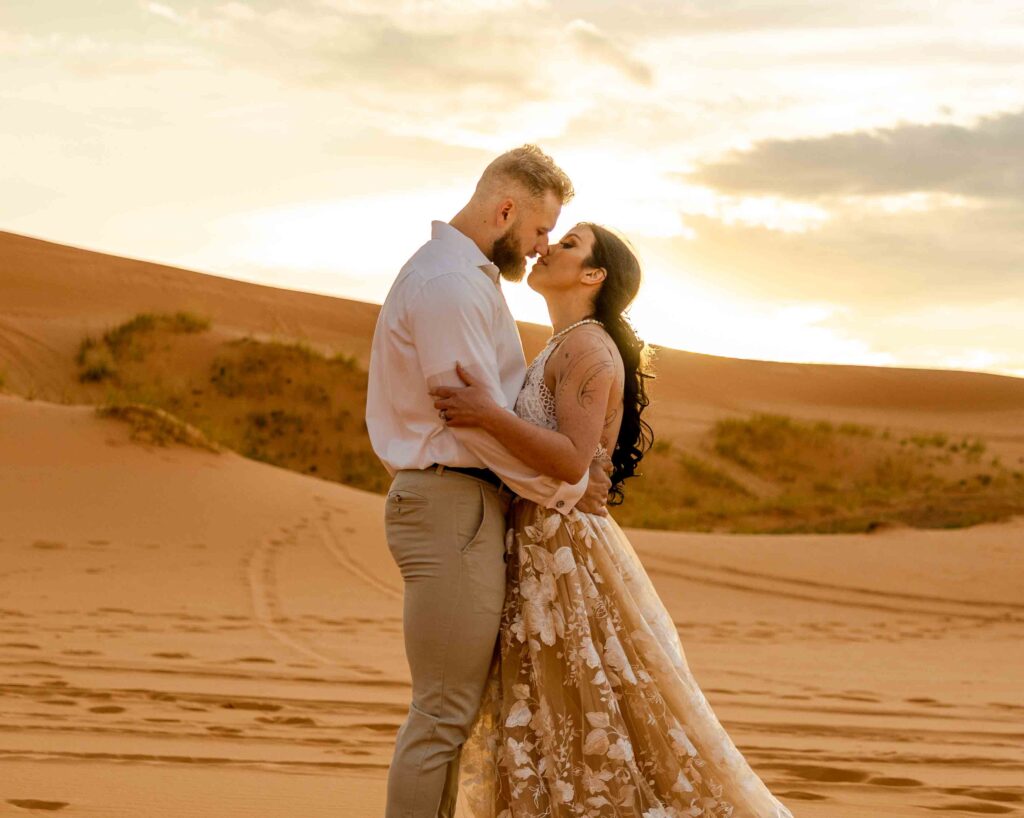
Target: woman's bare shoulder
{"points": [[587, 353]]}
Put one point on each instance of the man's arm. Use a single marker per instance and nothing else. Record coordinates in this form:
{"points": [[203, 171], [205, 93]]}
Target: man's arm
{"points": [[450, 320], [585, 377]]}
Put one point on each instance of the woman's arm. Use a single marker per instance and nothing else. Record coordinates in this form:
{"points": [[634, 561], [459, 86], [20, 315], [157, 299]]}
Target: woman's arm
{"points": [[584, 370]]}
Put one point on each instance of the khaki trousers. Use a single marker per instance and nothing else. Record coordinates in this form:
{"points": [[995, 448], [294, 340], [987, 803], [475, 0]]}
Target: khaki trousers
{"points": [[446, 532]]}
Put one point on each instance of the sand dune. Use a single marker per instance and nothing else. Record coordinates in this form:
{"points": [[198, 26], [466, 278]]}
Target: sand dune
{"points": [[190, 633], [51, 294]]}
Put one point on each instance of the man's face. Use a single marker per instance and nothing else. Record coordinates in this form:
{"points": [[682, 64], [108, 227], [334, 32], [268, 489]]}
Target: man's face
{"points": [[527, 236]]}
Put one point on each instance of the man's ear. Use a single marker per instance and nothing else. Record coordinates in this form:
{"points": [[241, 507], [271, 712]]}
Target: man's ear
{"points": [[506, 212]]}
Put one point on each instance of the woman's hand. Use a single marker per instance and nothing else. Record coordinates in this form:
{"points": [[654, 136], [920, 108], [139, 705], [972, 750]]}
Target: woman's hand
{"points": [[469, 405]]}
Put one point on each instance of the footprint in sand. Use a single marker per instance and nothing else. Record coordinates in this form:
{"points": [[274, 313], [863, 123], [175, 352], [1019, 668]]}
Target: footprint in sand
{"points": [[251, 706], [49, 544], [297, 721], [801, 795], [378, 728], [986, 794], [813, 772], [26, 645], [927, 701], [35, 803], [894, 781], [851, 697], [981, 809], [170, 655], [106, 708]]}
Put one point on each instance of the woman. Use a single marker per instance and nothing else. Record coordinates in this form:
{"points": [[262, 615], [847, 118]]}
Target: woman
{"points": [[591, 709]]}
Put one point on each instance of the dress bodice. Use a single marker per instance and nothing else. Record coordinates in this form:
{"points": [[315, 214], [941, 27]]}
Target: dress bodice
{"points": [[536, 403]]}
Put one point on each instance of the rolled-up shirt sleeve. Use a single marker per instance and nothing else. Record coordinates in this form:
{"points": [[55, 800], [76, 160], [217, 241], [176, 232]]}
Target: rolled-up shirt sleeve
{"points": [[450, 321]]}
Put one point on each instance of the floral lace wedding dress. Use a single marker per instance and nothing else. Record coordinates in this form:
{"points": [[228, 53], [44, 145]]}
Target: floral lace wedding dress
{"points": [[590, 709]]}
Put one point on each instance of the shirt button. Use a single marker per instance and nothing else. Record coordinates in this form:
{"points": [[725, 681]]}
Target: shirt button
{"points": [[560, 503], [398, 498]]}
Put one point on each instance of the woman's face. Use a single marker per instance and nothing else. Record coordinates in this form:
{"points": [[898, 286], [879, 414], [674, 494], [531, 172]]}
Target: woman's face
{"points": [[561, 268]]}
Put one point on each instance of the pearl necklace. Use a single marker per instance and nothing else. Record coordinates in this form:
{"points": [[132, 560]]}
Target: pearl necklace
{"points": [[573, 326]]}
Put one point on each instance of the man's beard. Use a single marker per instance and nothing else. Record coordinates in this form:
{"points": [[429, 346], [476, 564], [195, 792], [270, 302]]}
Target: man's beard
{"points": [[509, 258]]}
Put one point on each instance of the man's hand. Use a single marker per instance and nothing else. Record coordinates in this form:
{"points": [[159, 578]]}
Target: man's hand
{"points": [[595, 499], [469, 405]]}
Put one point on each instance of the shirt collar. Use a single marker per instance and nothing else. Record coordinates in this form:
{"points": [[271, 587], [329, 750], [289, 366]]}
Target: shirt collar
{"points": [[466, 247]]}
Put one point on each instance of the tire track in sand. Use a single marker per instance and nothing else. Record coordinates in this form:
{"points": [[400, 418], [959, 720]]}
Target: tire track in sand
{"points": [[266, 610], [337, 548], [827, 593]]}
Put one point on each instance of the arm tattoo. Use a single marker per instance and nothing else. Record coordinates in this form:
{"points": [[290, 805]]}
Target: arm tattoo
{"points": [[586, 368]]}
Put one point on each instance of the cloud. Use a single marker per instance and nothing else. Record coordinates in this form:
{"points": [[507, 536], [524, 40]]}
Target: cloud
{"points": [[706, 16], [875, 260], [595, 43], [985, 161], [153, 117], [460, 73], [160, 10]]}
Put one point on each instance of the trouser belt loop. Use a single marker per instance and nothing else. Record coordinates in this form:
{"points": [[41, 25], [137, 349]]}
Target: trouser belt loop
{"points": [[486, 475]]}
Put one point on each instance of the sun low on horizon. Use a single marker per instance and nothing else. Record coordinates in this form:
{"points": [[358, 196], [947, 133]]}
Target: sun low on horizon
{"points": [[829, 183]]}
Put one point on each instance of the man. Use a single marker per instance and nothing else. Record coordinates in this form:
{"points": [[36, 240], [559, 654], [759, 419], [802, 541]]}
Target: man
{"points": [[445, 511]]}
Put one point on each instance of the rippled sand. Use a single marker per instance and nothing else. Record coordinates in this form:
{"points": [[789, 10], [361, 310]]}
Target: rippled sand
{"points": [[187, 633]]}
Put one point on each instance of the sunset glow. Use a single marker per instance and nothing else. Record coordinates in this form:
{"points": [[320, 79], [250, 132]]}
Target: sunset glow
{"points": [[844, 184]]}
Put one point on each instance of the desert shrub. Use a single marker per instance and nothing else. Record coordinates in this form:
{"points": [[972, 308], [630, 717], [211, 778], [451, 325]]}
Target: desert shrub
{"points": [[973, 449], [97, 359], [347, 361], [153, 425], [699, 473], [922, 441], [773, 445], [96, 363], [123, 339]]}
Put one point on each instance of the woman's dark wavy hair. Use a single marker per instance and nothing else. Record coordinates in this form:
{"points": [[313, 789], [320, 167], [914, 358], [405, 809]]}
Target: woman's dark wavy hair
{"points": [[616, 294]]}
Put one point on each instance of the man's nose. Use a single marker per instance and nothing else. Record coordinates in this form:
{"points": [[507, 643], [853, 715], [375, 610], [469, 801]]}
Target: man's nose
{"points": [[541, 246]]}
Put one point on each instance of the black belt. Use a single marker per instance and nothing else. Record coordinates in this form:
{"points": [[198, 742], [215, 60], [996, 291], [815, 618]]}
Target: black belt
{"points": [[481, 474]]}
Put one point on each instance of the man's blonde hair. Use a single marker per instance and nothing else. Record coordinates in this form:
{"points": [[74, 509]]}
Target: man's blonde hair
{"points": [[530, 167]]}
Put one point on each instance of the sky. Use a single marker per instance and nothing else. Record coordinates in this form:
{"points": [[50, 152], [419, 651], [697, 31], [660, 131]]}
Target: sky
{"points": [[817, 181]]}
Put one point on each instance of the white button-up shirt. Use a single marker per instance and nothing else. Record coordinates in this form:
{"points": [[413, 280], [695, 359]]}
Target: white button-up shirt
{"points": [[446, 305]]}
